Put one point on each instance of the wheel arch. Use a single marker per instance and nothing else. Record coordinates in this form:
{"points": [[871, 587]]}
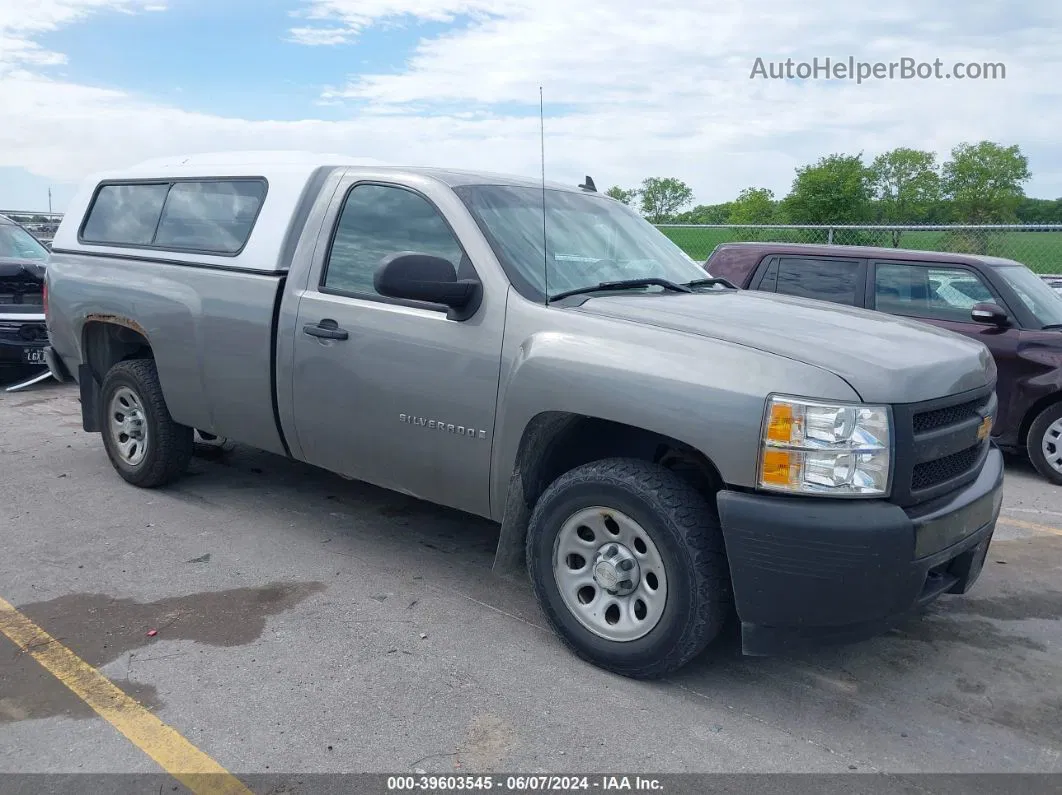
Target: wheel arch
{"points": [[105, 341], [554, 442], [1034, 411]]}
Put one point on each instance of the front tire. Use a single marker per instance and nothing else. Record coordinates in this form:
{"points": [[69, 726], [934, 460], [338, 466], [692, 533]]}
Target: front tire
{"points": [[1044, 444], [145, 445], [628, 564]]}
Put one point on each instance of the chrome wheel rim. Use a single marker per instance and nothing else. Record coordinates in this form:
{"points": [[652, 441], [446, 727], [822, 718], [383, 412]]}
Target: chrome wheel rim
{"points": [[1051, 445], [610, 574], [128, 426]]}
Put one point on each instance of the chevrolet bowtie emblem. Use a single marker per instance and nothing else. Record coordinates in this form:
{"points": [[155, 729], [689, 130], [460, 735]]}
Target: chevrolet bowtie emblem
{"points": [[984, 428]]}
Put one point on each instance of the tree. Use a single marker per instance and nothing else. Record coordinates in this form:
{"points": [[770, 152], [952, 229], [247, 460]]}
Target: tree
{"points": [[622, 194], [984, 182], [833, 190], [705, 214], [663, 197], [905, 184], [1039, 211], [753, 206]]}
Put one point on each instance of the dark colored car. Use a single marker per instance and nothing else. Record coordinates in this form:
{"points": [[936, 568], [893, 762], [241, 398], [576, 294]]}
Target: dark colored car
{"points": [[999, 302], [23, 333]]}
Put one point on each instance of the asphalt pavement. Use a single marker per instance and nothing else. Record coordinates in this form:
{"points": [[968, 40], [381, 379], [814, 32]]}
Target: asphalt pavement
{"points": [[283, 619]]}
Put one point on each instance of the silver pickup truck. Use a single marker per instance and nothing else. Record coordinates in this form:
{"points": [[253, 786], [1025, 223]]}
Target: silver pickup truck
{"points": [[660, 449]]}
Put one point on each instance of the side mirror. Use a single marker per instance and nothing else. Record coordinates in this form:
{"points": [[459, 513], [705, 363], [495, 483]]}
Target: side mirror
{"points": [[989, 314], [424, 277]]}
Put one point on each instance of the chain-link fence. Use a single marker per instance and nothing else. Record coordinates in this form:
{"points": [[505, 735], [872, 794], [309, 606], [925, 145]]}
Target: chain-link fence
{"points": [[1037, 246]]}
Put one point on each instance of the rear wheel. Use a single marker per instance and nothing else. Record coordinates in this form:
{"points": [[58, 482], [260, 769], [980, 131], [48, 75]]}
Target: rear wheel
{"points": [[627, 561], [1044, 444], [145, 445]]}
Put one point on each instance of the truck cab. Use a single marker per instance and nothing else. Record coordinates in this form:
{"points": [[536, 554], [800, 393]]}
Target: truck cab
{"points": [[659, 449]]}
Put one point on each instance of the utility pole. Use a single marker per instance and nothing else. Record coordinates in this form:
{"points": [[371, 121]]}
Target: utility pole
{"points": [[49, 199]]}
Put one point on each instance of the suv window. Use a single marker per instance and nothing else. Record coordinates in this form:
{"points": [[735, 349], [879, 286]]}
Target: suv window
{"points": [[826, 279], [379, 220], [208, 215], [928, 291]]}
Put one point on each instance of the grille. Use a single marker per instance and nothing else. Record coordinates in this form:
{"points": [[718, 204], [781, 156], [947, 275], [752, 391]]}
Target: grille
{"points": [[19, 292], [937, 449], [930, 473], [950, 415]]}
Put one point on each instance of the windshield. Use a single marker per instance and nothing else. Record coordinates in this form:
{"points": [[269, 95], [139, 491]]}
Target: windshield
{"points": [[589, 239], [17, 243], [1038, 297]]}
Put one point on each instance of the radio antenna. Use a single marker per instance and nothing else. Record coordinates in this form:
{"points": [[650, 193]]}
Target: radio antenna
{"points": [[542, 142]]}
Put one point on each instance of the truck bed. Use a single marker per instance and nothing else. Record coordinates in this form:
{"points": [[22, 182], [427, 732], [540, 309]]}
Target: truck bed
{"points": [[211, 330]]}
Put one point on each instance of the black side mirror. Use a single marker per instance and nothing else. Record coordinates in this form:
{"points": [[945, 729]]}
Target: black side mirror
{"points": [[989, 314], [424, 277]]}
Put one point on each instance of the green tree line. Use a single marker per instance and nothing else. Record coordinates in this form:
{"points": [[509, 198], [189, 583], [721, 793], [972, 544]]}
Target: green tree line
{"points": [[980, 183]]}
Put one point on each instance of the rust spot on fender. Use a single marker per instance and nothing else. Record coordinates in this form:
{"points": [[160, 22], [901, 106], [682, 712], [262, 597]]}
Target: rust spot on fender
{"points": [[117, 320]]}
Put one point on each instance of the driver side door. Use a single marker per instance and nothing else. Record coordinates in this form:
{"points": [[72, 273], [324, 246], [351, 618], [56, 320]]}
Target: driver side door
{"points": [[392, 391]]}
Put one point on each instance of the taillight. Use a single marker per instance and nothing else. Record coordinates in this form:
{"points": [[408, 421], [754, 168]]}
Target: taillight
{"points": [[44, 300]]}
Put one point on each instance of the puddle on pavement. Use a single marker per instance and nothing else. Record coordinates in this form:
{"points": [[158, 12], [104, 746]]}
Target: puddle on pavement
{"points": [[101, 629]]}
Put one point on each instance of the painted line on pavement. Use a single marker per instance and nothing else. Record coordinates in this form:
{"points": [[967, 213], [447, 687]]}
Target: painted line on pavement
{"points": [[173, 753], [1039, 528]]}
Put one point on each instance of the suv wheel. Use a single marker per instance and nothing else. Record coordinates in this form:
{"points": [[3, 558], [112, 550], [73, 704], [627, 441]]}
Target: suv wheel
{"points": [[627, 561], [145, 445], [1044, 444]]}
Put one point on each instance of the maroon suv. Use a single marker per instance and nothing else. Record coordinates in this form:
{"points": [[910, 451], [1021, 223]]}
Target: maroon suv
{"points": [[997, 301]]}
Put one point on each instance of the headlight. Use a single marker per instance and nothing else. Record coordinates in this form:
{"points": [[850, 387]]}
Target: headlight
{"points": [[828, 449]]}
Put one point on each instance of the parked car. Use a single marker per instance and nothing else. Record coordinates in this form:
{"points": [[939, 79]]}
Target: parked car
{"points": [[998, 302], [658, 448], [23, 334]]}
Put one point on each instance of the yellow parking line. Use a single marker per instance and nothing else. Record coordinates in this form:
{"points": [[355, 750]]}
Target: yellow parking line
{"points": [[172, 752], [1040, 528]]}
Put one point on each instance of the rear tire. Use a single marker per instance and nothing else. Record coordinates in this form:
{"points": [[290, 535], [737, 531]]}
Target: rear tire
{"points": [[1044, 443], [663, 533], [145, 445]]}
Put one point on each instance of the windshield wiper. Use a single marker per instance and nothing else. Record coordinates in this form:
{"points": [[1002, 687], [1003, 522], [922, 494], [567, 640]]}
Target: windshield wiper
{"points": [[711, 283], [1051, 326], [625, 284]]}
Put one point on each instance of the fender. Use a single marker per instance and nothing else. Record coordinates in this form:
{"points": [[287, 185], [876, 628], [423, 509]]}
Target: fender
{"points": [[706, 393]]}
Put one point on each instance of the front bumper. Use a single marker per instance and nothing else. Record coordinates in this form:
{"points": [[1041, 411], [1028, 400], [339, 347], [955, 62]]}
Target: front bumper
{"points": [[809, 570]]}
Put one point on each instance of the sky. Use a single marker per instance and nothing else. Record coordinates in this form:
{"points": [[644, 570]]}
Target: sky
{"points": [[631, 88]]}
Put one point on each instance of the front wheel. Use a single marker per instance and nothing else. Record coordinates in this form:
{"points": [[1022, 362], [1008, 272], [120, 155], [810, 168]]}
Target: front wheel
{"points": [[1044, 444], [627, 561], [145, 445]]}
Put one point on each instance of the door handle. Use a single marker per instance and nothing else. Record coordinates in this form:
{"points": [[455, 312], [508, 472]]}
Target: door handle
{"points": [[327, 329]]}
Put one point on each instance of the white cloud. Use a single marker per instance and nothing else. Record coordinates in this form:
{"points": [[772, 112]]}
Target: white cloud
{"points": [[317, 37], [20, 21], [632, 89], [345, 20]]}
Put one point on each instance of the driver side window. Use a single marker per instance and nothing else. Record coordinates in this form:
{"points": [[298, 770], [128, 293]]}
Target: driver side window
{"points": [[931, 292], [377, 221]]}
